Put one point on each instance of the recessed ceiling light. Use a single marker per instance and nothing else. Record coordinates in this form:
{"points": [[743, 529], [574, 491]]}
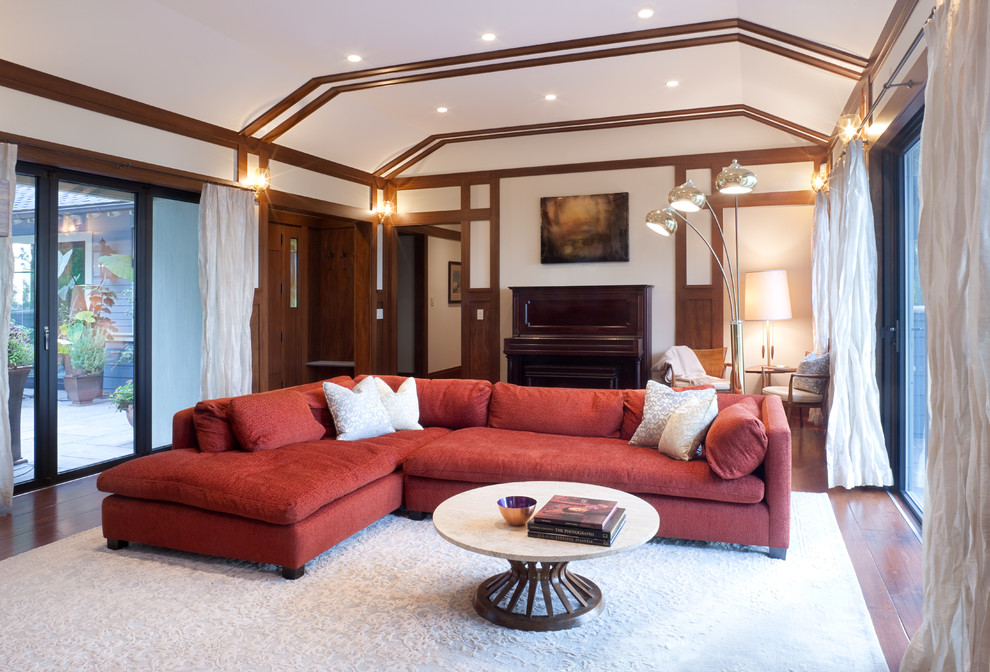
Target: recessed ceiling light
{"points": [[488, 37], [551, 96], [442, 109], [645, 13], [672, 83], [354, 58]]}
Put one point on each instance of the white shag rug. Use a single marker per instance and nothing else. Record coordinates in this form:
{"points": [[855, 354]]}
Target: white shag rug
{"points": [[398, 597]]}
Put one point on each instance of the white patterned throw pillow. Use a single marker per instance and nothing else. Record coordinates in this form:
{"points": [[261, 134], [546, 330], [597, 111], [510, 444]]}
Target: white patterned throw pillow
{"points": [[660, 403], [358, 413], [402, 405], [816, 365], [687, 428]]}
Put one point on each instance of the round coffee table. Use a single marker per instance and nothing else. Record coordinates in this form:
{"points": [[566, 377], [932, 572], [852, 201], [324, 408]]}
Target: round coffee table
{"points": [[538, 592]]}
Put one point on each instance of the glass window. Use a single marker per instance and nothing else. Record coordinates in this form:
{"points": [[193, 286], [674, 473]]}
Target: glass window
{"points": [[94, 270], [177, 314], [915, 447], [21, 346]]}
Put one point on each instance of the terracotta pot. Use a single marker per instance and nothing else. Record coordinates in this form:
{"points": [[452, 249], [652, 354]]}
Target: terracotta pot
{"points": [[84, 389], [129, 412]]}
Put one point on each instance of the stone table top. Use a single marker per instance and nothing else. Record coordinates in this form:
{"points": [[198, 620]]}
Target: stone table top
{"points": [[472, 521]]}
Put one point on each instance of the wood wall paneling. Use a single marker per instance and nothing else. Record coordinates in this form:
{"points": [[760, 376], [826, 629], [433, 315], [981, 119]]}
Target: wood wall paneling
{"points": [[337, 290], [365, 336], [480, 336]]}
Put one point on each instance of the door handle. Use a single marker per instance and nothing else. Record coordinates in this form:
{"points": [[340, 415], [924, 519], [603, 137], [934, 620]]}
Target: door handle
{"points": [[46, 338]]}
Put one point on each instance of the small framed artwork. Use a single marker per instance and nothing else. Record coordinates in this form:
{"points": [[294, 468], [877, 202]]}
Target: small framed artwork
{"points": [[453, 282], [584, 228]]}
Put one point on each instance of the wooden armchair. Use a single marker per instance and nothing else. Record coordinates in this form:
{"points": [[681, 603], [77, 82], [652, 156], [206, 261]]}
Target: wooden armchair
{"points": [[713, 362], [801, 399]]}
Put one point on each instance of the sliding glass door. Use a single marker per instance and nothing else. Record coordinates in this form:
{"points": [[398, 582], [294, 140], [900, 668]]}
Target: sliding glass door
{"points": [[903, 346], [21, 348], [914, 339], [101, 269], [94, 329]]}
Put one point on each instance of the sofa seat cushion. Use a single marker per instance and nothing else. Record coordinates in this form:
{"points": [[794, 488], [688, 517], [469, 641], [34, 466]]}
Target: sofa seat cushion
{"points": [[281, 486], [396, 447], [487, 455]]}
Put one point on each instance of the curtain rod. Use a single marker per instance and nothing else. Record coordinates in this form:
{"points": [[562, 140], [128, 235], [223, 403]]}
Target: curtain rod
{"points": [[890, 85]]}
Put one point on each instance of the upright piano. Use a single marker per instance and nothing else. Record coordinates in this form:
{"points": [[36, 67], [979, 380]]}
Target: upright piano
{"points": [[580, 336]]}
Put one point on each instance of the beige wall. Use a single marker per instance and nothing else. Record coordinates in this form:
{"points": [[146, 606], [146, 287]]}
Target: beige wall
{"points": [[444, 326], [771, 237]]}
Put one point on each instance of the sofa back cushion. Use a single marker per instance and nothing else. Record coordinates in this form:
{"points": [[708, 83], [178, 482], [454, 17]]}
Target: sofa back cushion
{"points": [[213, 432], [317, 401], [272, 419], [453, 403], [556, 410]]}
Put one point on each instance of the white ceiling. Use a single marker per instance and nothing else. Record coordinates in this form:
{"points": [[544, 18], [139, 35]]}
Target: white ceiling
{"points": [[228, 61]]}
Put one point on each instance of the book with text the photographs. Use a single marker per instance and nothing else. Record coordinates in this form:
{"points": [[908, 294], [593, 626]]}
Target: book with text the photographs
{"points": [[576, 512], [580, 535]]}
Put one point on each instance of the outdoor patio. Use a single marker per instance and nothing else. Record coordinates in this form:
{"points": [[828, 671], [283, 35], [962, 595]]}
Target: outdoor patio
{"points": [[87, 434]]}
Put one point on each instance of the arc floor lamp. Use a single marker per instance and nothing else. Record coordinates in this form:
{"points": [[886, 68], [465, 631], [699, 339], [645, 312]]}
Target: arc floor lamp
{"points": [[733, 180]]}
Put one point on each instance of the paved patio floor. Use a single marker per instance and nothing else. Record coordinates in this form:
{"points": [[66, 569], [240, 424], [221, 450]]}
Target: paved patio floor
{"points": [[86, 435]]}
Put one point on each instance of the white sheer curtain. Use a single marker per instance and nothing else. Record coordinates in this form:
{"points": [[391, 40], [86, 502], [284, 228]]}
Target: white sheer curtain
{"points": [[228, 262], [855, 449], [8, 183], [819, 274], [954, 256]]}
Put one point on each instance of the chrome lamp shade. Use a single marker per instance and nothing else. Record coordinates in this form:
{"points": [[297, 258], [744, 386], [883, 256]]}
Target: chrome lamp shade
{"points": [[734, 179], [686, 198], [662, 221]]}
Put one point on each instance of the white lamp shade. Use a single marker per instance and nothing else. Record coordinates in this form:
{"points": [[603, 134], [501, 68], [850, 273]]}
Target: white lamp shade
{"points": [[768, 296]]}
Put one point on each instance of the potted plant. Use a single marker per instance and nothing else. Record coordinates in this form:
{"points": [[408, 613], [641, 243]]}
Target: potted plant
{"points": [[123, 400], [20, 361], [83, 342]]}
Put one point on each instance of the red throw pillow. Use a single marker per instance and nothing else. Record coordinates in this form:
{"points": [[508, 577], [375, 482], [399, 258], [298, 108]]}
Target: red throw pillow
{"points": [[736, 443], [213, 432], [632, 412], [556, 410], [272, 420]]}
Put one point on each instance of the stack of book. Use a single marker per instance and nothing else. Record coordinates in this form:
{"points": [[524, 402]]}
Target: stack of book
{"points": [[579, 519]]}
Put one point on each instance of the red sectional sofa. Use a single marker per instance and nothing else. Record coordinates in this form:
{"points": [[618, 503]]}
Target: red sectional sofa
{"points": [[262, 477]]}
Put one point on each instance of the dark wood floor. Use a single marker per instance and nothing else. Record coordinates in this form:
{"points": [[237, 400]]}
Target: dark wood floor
{"points": [[884, 546], [883, 541]]}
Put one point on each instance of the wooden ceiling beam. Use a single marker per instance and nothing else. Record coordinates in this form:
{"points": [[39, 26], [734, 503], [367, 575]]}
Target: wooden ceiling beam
{"points": [[431, 144], [783, 44]]}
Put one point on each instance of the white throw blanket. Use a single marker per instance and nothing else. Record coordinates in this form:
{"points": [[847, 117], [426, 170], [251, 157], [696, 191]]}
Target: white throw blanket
{"points": [[678, 362]]}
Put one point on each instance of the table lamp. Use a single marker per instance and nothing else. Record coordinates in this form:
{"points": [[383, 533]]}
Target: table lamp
{"points": [[768, 298]]}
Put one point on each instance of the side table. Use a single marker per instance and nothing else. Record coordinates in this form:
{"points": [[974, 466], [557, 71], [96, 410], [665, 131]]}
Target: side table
{"points": [[768, 371]]}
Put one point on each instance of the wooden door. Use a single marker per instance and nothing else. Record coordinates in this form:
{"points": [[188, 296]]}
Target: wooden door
{"points": [[286, 305]]}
